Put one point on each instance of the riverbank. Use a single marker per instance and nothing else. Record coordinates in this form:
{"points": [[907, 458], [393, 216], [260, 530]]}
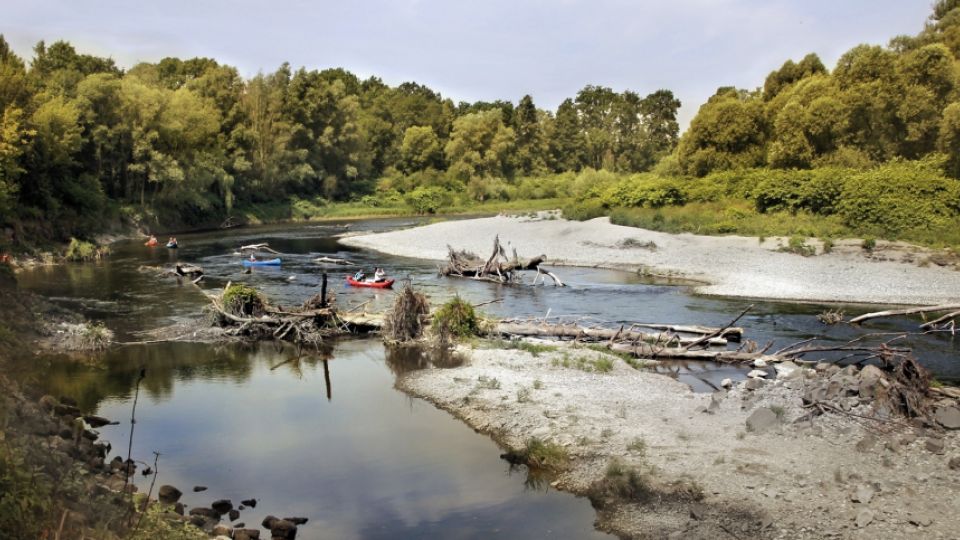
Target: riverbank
{"points": [[890, 273], [703, 465]]}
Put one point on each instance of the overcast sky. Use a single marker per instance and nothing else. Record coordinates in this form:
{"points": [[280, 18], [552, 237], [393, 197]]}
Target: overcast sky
{"points": [[494, 49]]}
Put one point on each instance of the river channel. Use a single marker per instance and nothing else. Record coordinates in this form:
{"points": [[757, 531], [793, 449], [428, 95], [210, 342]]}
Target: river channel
{"points": [[327, 436]]}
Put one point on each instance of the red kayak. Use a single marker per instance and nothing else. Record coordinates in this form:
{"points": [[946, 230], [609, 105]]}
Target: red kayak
{"points": [[373, 284]]}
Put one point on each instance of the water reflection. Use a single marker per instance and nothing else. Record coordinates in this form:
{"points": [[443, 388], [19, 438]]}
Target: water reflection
{"points": [[365, 461]]}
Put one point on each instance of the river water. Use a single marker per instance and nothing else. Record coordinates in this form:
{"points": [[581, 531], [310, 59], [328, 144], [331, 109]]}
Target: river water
{"points": [[327, 436]]}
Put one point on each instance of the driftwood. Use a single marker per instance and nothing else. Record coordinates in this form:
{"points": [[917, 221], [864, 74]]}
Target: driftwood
{"points": [[182, 269], [259, 247], [332, 260], [497, 268], [594, 334], [908, 311]]}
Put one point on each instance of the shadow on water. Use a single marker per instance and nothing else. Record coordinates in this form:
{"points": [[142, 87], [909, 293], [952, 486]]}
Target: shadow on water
{"points": [[321, 435]]}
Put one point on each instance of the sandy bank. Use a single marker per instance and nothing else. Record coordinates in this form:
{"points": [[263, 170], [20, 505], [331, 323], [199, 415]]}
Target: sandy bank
{"points": [[730, 265], [793, 481]]}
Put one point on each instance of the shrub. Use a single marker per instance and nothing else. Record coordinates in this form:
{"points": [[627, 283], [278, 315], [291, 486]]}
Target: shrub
{"points": [[544, 455], [457, 318], [80, 251], [899, 196], [25, 495], [798, 245], [428, 200], [868, 244], [242, 300], [582, 211], [644, 190]]}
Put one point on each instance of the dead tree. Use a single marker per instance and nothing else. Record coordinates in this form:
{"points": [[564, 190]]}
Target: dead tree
{"points": [[497, 268]]}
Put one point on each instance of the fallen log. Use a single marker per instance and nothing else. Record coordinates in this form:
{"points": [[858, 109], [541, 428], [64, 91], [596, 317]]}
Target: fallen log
{"points": [[908, 311], [594, 334], [733, 333], [942, 320], [497, 268], [332, 260], [259, 247]]}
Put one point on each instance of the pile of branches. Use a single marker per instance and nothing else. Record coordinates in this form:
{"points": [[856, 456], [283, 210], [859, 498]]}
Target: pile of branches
{"points": [[497, 268], [407, 318], [244, 312]]}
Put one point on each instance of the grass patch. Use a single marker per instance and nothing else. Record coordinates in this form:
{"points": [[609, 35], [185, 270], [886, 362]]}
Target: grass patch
{"points": [[535, 349], [583, 362], [488, 383], [798, 246], [523, 395], [545, 455]]}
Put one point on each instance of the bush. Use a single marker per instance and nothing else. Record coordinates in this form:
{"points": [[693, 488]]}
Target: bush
{"points": [[25, 495], [900, 196], [243, 301], [80, 251], [582, 211], [817, 191], [798, 245], [545, 455], [457, 318], [428, 200], [644, 190]]}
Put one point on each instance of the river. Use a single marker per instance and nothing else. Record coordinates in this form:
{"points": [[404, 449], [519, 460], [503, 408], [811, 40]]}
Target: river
{"points": [[327, 436]]}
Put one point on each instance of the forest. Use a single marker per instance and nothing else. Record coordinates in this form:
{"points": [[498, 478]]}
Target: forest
{"points": [[869, 147]]}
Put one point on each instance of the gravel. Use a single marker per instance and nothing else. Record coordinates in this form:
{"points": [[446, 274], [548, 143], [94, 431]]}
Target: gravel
{"points": [[728, 265]]}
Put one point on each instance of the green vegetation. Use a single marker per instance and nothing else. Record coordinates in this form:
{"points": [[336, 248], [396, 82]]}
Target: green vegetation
{"points": [[535, 349], [26, 505], [544, 455], [243, 301], [457, 318], [80, 251], [599, 363], [189, 142], [799, 246], [488, 383], [621, 482]]}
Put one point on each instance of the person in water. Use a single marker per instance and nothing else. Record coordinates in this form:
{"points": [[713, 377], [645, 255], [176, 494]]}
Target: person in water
{"points": [[379, 275]]}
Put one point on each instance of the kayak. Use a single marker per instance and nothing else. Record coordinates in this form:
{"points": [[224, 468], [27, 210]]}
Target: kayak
{"points": [[171, 245], [372, 284], [264, 262]]}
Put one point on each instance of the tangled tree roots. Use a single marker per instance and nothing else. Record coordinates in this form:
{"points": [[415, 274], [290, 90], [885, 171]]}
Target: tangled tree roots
{"points": [[405, 321], [908, 392]]}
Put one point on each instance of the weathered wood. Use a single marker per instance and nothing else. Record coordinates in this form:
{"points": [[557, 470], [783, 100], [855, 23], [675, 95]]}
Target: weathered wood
{"points": [[573, 331], [936, 322], [259, 247], [908, 311], [496, 268], [733, 333], [332, 260]]}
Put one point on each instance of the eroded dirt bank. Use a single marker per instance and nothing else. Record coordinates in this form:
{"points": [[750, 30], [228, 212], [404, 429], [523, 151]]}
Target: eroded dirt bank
{"points": [[707, 474]]}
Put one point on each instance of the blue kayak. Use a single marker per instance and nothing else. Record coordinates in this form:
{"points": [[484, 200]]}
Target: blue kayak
{"points": [[264, 262]]}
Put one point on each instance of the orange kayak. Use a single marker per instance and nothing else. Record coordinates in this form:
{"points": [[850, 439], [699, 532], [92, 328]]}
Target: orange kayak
{"points": [[151, 243]]}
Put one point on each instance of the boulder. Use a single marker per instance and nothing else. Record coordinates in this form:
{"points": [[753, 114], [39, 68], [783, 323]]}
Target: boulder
{"points": [[283, 530], [726, 383], [222, 530], [252, 503], [759, 363], [222, 506], [948, 417], [234, 515], [205, 512], [761, 420], [297, 520], [197, 489], [757, 373], [169, 494], [788, 370], [871, 373], [246, 534], [935, 445], [753, 384]]}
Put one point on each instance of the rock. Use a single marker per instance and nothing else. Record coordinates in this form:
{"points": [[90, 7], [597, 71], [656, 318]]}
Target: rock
{"points": [[268, 521], [726, 383], [97, 421], [864, 518], [954, 463], [234, 515], [866, 443], [48, 402], [863, 494], [205, 512], [920, 520], [757, 373], [252, 503], [761, 420], [283, 530], [197, 489], [870, 373], [116, 463], [908, 438], [935, 446], [169, 494], [753, 384], [221, 530], [246, 534], [788, 370], [948, 417], [67, 400], [698, 511], [179, 508], [759, 363], [297, 520], [222, 505]]}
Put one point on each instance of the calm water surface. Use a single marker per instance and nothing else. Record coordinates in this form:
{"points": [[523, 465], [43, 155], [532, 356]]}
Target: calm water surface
{"points": [[327, 436]]}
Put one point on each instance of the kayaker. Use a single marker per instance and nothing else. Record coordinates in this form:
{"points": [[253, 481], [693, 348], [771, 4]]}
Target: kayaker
{"points": [[252, 258], [379, 275], [360, 275], [152, 241]]}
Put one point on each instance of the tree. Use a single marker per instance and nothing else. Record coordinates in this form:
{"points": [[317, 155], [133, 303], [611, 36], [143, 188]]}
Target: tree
{"points": [[567, 143], [14, 141], [420, 149], [949, 140], [729, 132], [480, 146], [531, 147]]}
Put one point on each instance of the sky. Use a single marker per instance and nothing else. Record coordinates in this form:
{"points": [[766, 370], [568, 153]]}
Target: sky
{"points": [[473, 50]]}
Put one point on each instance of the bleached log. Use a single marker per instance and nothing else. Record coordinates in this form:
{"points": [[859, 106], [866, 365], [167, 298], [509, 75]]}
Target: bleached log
{"points": [[908, 311], [572, 331]]}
